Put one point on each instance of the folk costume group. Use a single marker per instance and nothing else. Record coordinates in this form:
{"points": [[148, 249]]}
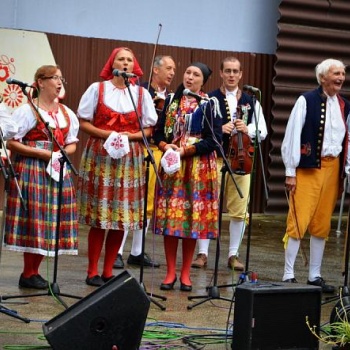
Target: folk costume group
{"points": [[189, 129]]}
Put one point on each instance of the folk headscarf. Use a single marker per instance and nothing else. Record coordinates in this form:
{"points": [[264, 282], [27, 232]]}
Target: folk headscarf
{"points": [[107, 70], [206, 71], [175, 101]]}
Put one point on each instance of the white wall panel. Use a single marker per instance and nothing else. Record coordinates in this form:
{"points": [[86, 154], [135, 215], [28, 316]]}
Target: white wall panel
{"points": [[233, 25]]}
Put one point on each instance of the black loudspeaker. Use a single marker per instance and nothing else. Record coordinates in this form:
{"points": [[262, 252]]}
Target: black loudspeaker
{"points": [[270, 316], [114, 314]]}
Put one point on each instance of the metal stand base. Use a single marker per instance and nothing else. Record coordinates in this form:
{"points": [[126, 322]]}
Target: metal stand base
{"points": [[54, 291], [213, 294], [13, 313]]}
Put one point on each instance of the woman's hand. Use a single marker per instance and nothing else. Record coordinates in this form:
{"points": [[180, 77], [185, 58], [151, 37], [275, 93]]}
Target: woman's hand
{"points": [[20, 148], [137, 136], [182, 151], [174, 147], [91, 130]]}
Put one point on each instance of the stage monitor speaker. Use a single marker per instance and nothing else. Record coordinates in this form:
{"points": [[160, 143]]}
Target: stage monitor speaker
{"points": [[270, 316], [113, 314]]}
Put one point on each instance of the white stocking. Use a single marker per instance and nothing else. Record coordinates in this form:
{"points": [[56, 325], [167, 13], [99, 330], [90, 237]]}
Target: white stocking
{"points": [[290, 256], [236, 234], [203, 246], [121, 249], [317, 246], [136, 247]]}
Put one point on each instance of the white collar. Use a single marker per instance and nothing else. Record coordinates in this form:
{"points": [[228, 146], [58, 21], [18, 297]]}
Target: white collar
{"points": [[331, 98], [231, 93]]}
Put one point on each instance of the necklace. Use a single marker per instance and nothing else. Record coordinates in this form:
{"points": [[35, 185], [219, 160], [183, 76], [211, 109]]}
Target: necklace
{"points": [[50, 108]]}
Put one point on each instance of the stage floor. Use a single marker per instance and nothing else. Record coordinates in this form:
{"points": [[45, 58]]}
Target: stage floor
{"points": [[266, 259]]}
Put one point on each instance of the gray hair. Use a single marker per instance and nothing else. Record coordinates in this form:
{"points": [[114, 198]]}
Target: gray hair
{"points": [[323, 67], [158, 60]]}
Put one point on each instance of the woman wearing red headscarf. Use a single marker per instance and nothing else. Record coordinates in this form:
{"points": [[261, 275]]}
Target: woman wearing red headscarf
{"points": [[111, 190]]}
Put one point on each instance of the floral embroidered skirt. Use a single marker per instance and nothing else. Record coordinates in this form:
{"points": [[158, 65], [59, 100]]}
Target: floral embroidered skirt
{"points": [[187, 203]]}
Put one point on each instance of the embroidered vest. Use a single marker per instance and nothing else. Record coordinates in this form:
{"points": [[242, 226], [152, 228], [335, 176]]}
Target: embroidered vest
{"points": [[40, 132], [106, 118], [313, 130]]}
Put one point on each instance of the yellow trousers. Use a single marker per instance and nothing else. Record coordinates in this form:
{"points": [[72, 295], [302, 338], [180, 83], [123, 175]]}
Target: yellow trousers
{"points": [[157, 154], [313, 202], [237, 207]]}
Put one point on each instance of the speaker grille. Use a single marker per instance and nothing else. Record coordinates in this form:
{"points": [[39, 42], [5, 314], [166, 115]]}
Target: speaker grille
{"points": [[273, 316]]}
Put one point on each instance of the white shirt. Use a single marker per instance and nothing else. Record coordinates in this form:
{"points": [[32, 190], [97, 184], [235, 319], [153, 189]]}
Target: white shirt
{"points": [[161, 94], [231, 97], [261, 123], [26, 120]]}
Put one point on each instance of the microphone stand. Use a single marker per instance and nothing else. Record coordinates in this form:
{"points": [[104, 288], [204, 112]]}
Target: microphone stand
{"points": [[54, 289], [148, 159], [252, 186], [213, 291], [5, 175]]}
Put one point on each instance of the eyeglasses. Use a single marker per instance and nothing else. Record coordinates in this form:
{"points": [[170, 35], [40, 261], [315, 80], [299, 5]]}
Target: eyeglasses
{"points": [[233, 71], [56, 78]]}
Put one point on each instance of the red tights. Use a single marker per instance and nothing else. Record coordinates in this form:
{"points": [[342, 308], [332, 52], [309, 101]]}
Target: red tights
{"points": [[31, 264], [95, 244], [170, 247]]}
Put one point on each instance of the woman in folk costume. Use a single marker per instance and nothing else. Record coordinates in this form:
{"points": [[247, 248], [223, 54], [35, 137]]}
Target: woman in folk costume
{"points": [[32, 229], [187, 203], [110, 189]]}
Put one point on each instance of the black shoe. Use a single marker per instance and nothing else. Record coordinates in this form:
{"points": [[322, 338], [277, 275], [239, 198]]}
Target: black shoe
{"points": [[32, 282], [119, 263], [95, 281], [185, 287], [42, 279], [106, 279], [168, 286], [136, 260], [290, 280], [320, 282]]}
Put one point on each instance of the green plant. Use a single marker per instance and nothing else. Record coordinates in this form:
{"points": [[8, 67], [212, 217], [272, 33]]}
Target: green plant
{"points": [[337, 332]]}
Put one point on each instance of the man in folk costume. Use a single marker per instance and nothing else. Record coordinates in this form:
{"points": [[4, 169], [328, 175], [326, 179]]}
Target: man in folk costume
{"points": [[314, 152], [230, 97]]}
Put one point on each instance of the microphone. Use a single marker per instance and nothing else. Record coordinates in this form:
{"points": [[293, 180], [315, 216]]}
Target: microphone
{"points": [[17, 82], [188, 92], [119, 73], [251, 88]]}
